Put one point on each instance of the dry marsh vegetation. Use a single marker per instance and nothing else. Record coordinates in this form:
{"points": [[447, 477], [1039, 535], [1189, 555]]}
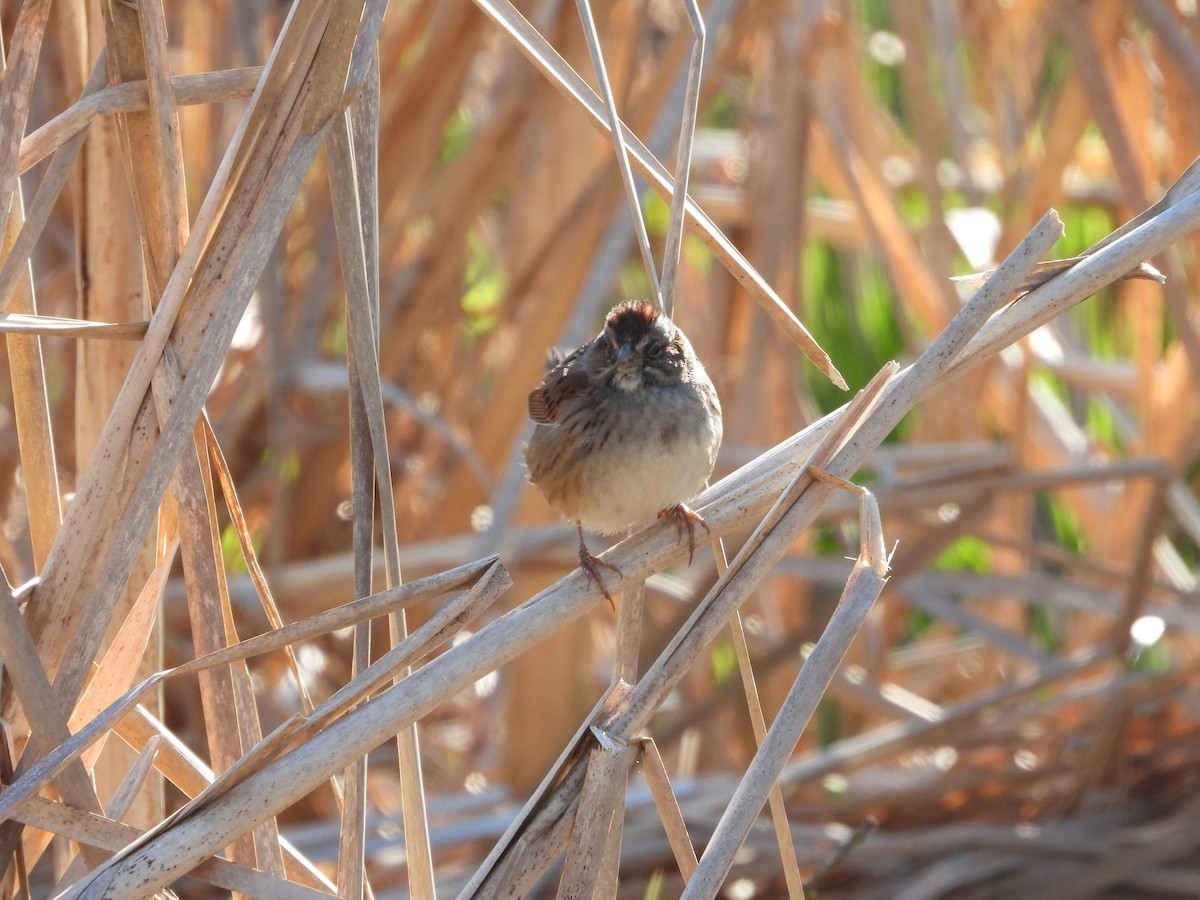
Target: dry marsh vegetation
{"points": [[283, 618]]}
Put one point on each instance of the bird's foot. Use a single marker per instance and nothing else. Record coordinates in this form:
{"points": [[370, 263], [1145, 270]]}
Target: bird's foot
{"points": [[686, 520], [592, 565]]}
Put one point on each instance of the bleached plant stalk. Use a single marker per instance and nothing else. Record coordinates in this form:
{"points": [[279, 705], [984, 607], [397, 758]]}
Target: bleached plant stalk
{"points": [[592, 37], [683, 156], [132, 96], [654, 770], [350, 614], [758, 724], [593, 860], [862, 590]]}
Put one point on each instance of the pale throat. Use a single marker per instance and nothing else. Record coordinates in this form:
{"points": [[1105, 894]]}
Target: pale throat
{"points": [[630, 382]]}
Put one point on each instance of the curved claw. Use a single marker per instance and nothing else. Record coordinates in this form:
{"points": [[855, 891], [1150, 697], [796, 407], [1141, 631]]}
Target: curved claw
{"points": [[591, 567], [686, 520]]}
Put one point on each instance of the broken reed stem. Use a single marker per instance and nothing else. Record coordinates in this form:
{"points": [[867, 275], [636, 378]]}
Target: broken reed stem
{"points": [[590, 867]]}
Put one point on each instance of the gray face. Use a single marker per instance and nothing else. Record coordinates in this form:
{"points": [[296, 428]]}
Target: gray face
{"points": [[639, 354]]}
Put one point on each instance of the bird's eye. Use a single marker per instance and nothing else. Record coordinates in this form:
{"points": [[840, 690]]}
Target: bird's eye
{"points": [[654, 350]]}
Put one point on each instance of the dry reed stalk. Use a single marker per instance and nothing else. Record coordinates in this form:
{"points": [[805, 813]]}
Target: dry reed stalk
{"points": [[132, 96], [527, 198], [30, 404], [96, 723], [215, 583], [541, 54], [862, 589]]}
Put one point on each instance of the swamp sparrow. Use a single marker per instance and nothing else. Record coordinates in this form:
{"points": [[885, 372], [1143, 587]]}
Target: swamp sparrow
{"points": [[627, 426]]}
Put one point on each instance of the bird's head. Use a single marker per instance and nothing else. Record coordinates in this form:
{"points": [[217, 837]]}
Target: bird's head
{"points": [[641, 347]]}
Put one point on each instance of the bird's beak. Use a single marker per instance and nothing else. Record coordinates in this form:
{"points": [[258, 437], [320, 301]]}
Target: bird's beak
{"points": [[624, 353]]}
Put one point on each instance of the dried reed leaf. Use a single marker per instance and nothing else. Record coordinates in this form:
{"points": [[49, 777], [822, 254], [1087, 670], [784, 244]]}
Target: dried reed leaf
{"points": [[47, 721], [438, 628], [179, 765], [56, 326], [683, 157], [119, 667], [787, 852], [1044, 271], [134, 779], [21, 244], [126, 793], [232, 724], [758, 726], [592, 38], [352, 613], [30, 403]]}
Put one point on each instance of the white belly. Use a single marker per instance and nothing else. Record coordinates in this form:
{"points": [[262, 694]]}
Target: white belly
{"points": [[634, 487], [656, 457]]}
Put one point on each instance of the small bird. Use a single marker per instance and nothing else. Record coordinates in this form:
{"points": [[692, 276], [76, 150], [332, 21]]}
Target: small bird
{"points": [[627, 426]]}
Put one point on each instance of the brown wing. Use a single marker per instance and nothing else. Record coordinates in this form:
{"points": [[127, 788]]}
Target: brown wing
{"points": [[563, 382]]}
